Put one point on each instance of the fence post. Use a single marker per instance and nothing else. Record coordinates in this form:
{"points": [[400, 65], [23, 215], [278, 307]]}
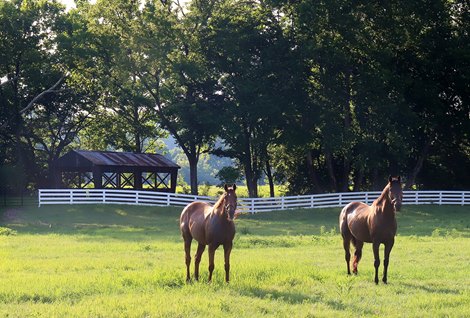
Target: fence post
{"points": [[103, 192], [340, 199], [252, 206], [463, 198], [39, 199], [416, 197], [367, 198], [440, 198], [311, 201], [282, 203], [137, 197], [71, 196], [168, 199]]}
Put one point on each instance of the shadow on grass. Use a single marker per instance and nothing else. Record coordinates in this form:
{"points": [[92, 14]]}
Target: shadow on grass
{"points": [[114, 221], [432, 289], [295, 298], [419, 220], [291, 298], [142, 222]]}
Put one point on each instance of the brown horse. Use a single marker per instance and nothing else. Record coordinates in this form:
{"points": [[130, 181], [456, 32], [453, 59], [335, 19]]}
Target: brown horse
{"points": [[209, 225], [374, 224]]}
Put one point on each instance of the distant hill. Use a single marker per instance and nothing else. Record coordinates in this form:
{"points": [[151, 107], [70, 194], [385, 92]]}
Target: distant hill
{"points": [[209, 165]]}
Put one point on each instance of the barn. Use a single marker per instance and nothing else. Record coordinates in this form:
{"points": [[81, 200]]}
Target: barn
{"points": [[115, 170]]}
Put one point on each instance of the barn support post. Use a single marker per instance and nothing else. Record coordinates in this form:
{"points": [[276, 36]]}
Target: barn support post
{"points": [[97, 178], [138, 179], [174, 176]]}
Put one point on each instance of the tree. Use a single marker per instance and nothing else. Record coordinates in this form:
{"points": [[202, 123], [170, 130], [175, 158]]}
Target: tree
{"points": [[254, 60], [229, 175], [31, 62], [155, 60]]}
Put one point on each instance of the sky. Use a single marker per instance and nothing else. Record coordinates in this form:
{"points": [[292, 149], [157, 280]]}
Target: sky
{"points": [[68, 3]]}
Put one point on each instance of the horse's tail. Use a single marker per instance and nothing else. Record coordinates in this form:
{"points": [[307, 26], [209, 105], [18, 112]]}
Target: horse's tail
{"points": [[343, 222]]}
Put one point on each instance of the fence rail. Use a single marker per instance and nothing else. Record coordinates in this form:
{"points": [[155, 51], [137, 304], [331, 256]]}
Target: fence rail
{"points": [[250, 205]]}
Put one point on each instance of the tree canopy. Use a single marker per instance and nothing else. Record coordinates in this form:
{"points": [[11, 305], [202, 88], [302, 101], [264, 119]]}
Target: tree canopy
{"points": [[318, 95]]}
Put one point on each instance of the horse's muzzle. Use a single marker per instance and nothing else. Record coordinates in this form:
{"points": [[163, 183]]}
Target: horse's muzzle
{"points": [[230, 210]]}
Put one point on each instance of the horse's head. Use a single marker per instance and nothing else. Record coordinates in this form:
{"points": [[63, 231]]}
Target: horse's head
{"points": [[395, 193], [230, 201]]}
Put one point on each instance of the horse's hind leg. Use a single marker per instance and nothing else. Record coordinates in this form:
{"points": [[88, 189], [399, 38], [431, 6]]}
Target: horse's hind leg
{"points": [[187, 249], [347, 236], [347, 253], [197, 260], [387, 250], [357, 253]]}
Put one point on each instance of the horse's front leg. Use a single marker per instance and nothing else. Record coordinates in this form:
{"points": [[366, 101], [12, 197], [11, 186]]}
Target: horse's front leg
{"points": [[375, 248], [388, 249], [212, 249], [227, 250]]}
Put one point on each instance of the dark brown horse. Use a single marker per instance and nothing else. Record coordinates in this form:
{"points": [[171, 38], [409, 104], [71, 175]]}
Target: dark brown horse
{"points": [[374, 224], [209, 225]]}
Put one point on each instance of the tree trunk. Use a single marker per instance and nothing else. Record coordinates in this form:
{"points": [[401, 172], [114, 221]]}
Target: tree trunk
{"points": [[358, 179], [270, 179], [346, 173], [411, 179], [331, 171], [311, 171], [376, 185], [347, 129], [249, 165], [193, 173], [138, 143]]}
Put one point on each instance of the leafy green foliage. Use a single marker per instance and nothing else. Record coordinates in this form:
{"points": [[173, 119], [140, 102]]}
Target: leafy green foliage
{"points": [[229, 175], [319, 95]]}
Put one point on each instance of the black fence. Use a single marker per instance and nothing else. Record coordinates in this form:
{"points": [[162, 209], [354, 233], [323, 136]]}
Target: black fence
{"points": [[17, 199]]}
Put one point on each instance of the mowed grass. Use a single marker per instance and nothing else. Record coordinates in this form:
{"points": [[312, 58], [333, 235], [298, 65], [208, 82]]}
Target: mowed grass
{"points": [[128, 261]]}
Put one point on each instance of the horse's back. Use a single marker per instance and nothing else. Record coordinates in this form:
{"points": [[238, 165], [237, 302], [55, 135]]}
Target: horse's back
{"points": [[354, 218]]}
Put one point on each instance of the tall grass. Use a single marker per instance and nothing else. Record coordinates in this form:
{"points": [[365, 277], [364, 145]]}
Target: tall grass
{"points": [[126, 261]]}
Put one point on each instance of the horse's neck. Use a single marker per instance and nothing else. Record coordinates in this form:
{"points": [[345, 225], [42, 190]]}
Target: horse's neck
{"points": [[218, 208], [383, 203]]}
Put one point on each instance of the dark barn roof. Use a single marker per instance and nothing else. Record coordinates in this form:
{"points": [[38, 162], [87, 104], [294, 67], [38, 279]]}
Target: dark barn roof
{"points": [[88, 159]]}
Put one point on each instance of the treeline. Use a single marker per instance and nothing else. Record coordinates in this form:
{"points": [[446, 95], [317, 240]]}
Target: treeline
{"points": [[319, 95]]}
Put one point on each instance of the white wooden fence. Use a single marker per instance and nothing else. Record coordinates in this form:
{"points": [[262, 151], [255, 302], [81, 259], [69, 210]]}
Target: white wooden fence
{"points": [[251, 205]]}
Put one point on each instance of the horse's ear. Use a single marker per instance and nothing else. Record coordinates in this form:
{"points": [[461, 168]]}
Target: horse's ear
{"points": [[226, 187], [234, 187], [390, 179]]}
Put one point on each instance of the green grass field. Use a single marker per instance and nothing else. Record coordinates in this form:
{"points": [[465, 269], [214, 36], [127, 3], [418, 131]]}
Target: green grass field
{"points": [[127, 261]]}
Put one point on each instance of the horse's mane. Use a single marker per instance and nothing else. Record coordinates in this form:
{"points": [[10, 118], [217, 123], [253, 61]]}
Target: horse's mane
{"points": [[219, 202], [383, 195]]}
